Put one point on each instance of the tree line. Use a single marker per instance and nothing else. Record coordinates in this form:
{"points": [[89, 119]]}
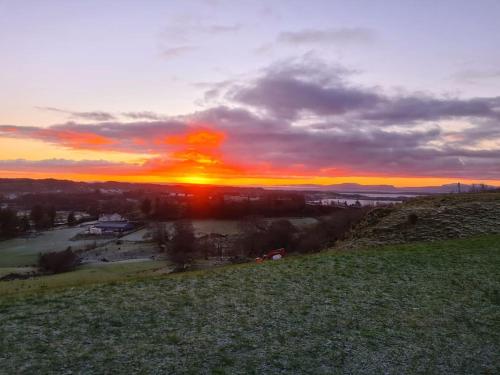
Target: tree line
{"points": [[40, 218], [257, 236], [204, 207]]}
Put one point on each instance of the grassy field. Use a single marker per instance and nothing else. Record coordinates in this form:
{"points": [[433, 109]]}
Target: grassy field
{"points": [[21, 252], [406, 309], [83, 275]]}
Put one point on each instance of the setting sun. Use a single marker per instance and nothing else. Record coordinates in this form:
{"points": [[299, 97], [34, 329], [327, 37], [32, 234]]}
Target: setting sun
{"points": [[196, 180]]}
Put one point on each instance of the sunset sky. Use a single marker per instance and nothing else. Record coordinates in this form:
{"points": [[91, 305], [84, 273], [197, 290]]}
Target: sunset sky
{"points": [[251, 92]]}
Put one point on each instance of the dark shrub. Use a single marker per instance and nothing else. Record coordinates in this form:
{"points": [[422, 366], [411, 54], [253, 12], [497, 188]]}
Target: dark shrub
{"points": [[280, 233], [57, 262], [338, 225], [72, 219], [313, 239], [146, 207], [258, 236], [329, 230], [412, 218], [252, 241], [237, 259]]}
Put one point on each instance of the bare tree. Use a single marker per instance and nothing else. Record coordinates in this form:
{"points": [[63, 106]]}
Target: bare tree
{"points": [[146, 207], [159, 234], [182, 245]]}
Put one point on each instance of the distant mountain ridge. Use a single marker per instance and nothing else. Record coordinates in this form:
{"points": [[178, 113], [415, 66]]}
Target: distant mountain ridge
{"points": [[358, 188], [26, 185]]}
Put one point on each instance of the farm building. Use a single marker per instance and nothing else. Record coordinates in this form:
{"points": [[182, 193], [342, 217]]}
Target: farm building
{"points": [[94, 230], [111, 227], [111, 224], [111, 218]]}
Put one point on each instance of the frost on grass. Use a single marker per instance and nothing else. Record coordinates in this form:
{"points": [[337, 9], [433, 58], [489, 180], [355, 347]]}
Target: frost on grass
{"points": [[439, 217], [411, 309]]}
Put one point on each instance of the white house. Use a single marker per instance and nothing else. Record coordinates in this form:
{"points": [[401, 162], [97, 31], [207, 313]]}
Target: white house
{"points": [[94, 230], [111, 217]]}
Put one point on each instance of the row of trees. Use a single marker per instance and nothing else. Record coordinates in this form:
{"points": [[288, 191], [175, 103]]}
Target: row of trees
{"points": [[43, 217], [40, 217], [160, 209], [259, 236], [202, 207], [93, 203]]}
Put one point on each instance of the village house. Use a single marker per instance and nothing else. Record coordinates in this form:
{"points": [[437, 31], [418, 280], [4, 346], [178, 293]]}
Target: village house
{"points": [[110, 227], [111, 218], [110, 224]]}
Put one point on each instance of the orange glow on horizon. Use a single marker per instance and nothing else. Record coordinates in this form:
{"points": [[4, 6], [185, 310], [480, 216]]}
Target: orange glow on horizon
{"points": [[246, 181], [193, 157], [76, 140], [200, 138]]}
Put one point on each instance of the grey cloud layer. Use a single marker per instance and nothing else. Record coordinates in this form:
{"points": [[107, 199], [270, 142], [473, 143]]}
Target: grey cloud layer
{"points": [[105, 116], [93, 115], [353, 131], [287, 94]]}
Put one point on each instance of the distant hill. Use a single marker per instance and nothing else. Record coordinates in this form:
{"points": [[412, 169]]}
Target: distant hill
{"points": [[429, 218], [26, 185], [358, 188]]}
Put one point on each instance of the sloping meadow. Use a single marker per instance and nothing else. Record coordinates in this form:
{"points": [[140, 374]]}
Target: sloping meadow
{"points": [[430, 218], [406, 309]]}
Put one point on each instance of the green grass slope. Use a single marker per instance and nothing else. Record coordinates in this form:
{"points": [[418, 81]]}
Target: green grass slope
{"points": [[438, 217], [406, 309], [87, 274]]}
